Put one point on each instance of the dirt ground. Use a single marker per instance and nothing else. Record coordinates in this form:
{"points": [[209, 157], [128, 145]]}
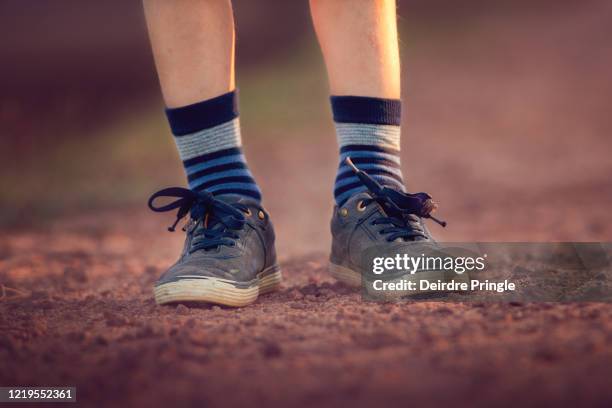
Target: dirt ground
{"points": [[515, 147], [77, 309]]}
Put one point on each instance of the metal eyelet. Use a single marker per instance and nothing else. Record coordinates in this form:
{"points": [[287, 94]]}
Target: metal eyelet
{"points": [[360, 206], [261, 215], [343, 212]]}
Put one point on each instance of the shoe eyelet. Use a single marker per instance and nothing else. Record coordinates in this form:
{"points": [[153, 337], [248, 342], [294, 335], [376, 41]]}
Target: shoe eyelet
{"points": [[343, 212], [360, 206], [248, 212], [261, 215]]}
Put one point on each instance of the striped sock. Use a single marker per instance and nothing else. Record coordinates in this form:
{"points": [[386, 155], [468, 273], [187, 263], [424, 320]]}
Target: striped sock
{"points": [[207, 135], [368, 130]]}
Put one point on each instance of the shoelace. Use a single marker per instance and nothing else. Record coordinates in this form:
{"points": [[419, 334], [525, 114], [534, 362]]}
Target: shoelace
{"points": [[220, 221], [401, 209]]}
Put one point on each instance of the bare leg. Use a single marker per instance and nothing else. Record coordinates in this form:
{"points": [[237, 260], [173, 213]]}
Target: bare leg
{"points": [[193, 45], [360, 46]]}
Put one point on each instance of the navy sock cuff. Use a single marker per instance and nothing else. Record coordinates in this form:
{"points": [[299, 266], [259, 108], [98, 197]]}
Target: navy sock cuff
{"points": [[367, 110], [203, 115]]}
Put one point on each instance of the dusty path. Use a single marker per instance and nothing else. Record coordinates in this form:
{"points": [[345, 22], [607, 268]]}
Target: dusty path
{"points": [[83, 315], [76, 308], [510, 136]]}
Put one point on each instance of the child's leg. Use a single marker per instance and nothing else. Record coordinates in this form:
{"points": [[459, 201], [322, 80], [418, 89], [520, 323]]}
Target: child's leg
{"points": [[229, 255], [360, 46], [193, 45], [359, 43]]}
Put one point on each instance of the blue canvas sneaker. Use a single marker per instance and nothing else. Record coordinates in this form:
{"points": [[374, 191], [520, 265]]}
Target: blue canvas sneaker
{"points": [[228, 257], [384, 220]]}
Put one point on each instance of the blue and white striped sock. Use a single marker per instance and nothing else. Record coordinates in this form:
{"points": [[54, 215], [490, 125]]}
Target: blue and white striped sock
{"points": [[207, 135], [368, 130]]}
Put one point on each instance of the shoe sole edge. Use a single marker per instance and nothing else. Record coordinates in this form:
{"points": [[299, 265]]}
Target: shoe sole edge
{"points": [[218, 291], [353, 278], [345, 275]]}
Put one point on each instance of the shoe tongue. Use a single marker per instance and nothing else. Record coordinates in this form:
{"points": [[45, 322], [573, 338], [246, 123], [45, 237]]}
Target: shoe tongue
{"points": [[209, 219], [236, 198], [230, 198]]}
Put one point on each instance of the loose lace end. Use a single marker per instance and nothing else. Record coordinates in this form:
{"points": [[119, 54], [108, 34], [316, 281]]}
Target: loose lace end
{"points": [[419, 204]]}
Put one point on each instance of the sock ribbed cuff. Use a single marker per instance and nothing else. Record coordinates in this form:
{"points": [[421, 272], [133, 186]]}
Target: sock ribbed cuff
{"points": [[203, 115], [367, 110]]}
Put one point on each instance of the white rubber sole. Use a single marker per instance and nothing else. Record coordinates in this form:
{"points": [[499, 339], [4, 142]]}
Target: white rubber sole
{"points": [[218, 291], [352, 278], [345, 275]]}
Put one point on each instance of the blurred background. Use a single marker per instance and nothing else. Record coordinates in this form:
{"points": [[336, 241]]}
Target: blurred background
{"points": [[506, 116]]}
